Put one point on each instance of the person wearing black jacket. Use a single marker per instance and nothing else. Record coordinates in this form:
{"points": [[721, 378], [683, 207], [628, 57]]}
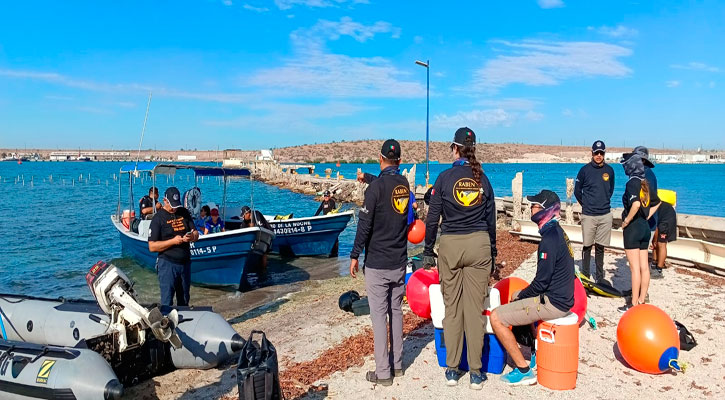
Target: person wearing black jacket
{"points": [[593, 190], [549, 296], [462, 195], [382, 233], [327, 205]]}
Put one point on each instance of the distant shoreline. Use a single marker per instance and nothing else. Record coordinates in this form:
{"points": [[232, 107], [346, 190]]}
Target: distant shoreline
{"points": [[367, 151]]}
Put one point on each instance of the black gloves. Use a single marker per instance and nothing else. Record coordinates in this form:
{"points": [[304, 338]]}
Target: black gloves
{"points": [[429, 262]]}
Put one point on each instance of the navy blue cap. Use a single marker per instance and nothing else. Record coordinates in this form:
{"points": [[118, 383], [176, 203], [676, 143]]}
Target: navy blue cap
{"points": [[545, 198], [173, 196], [598, 146]]}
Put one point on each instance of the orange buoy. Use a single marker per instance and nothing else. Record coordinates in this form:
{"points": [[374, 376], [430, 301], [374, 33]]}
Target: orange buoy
{"points": [[416, 232], [648, 339], [580, 300], [557, 352], [417, 291], [508, 286], [338, 164]]}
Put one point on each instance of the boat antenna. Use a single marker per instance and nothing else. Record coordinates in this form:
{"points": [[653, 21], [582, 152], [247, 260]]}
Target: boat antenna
{"points": [[143, 130]]}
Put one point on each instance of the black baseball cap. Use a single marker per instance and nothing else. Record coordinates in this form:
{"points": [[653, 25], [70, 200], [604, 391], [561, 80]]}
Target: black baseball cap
{"points": [[464, 137], [598, 146], [173, 196], [545, 198], [327, 193], [245, 210], [390, 150]]}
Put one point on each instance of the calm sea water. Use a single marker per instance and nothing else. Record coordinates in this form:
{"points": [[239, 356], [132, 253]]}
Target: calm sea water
{"points": [[56, 216]]}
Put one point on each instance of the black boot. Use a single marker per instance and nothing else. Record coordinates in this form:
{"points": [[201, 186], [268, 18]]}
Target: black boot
{"points": [[599, 262], [586, 260]]}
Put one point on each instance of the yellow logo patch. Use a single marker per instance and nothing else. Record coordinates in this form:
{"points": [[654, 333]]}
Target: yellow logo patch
{"points": [[44, 371], [605, 176], [400, 199], [467, 192]]}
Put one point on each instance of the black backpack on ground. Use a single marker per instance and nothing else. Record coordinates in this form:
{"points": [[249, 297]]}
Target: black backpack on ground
{"points": [[258, 371], [687, 341]]}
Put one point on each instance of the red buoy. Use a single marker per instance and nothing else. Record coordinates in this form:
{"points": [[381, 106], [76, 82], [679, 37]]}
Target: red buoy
{"points": [[416, 232], [417, 291]]}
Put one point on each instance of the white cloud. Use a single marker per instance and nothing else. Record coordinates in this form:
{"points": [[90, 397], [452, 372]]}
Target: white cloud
{"points": [[550, 3], [539, 63], [276, 111], [476, 118], [511, 103], [533, 115], [618, 31], [62, 80], [255, 9], [287, 4], [126, 104], [696, 66], [711, 84], [569, 113], [227, 2], [315, 71], [673, 84], [418, 39]]}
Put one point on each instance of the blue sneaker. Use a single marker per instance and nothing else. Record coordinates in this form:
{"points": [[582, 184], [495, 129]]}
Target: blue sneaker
{"points": [[518, 378], [477, 380], [452, 376], [532, 364]]}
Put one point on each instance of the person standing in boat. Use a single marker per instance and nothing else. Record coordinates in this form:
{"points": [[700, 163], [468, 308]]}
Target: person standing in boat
{"points": [[593, 190], [327, 205], [382, 234], [170, 233], [149, 203], [462, 195]]}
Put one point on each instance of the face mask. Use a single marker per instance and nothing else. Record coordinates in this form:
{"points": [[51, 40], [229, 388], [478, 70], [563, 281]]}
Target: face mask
{"points": [[543, 217]]}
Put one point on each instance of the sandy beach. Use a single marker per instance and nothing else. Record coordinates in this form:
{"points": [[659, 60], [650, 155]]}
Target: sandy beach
{"points": [[324, 352]]}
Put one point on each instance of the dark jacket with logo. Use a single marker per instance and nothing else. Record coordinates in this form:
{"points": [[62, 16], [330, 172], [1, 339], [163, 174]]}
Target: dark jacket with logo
{"points": [[383, 222], [467, 206], [594, 187], [554, 269]]}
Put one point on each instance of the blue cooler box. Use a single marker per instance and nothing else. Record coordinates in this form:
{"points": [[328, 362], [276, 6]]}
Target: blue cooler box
{"points": [[493, 357]]}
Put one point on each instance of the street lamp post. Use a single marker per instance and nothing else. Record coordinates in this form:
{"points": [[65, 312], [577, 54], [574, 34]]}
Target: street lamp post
{"points": [[427, 108]]}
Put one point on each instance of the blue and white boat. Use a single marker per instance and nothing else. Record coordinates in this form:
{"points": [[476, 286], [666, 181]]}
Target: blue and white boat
{"points": [[217, 259], [305, 236]]}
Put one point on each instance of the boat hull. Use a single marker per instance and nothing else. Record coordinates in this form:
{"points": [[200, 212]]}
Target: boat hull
{"points": [[312, 236], [216, 260]]}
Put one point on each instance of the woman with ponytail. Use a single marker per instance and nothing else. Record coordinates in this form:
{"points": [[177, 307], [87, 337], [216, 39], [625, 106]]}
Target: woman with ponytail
{"points": [[636, 201], [463, 198]]}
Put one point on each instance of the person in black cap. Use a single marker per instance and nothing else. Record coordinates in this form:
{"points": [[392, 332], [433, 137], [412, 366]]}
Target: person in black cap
{"points": [[463, 196], [170, 232], [549, 296], [382, 233], [327, 205], [149, 203], [593, 190]]}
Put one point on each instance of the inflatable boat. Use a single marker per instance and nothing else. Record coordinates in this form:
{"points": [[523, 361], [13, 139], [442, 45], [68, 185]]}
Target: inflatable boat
{"points": [[80, 349]]}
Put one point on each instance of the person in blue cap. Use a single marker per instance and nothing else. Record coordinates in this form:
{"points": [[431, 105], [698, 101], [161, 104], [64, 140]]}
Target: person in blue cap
{"points": [[593, 190]]}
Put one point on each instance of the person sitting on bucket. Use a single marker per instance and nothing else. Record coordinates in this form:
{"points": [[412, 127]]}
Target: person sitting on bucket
{"points": [[549, 296]]}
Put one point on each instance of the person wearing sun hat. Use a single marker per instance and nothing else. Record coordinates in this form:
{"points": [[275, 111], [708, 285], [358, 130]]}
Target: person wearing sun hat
{"points": [[170, 233], [549, 296]]}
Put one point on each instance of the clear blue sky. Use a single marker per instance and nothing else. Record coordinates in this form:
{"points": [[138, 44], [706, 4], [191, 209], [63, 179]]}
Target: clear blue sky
{"points": [[256, 74]]}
